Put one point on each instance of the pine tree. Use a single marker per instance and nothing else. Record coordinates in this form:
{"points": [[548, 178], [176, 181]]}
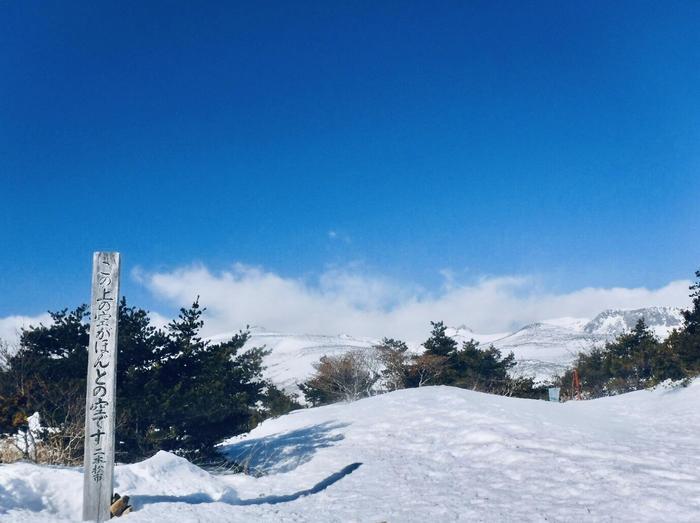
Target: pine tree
{"points": [[469, 367], [175, 390], [632, 361], [439, 343], [200, 392], [686, 343], [393, 355], [630, 358], [692, 316], [481, 369]]}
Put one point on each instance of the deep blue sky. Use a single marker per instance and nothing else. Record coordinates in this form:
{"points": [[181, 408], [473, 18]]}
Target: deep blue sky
{"points": [[559, 139]]}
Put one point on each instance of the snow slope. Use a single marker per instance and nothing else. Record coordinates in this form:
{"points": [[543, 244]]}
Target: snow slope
{"points": [[429, 454], [292, 356], [546, 349]]}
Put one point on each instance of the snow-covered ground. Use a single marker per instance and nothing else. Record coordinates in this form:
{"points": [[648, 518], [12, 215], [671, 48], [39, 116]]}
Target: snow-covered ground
{"points": [[429, 454]]}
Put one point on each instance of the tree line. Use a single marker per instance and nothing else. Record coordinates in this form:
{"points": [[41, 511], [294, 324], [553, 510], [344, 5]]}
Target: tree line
{"points": [[391, 366]]}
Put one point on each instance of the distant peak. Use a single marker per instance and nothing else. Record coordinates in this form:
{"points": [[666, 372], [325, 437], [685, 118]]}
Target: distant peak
{"points": [[617, 321], [460, 329]]}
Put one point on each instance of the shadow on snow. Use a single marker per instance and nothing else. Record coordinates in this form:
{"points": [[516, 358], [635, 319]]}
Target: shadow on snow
{"points": [[231, 499], [284, 452], [277, 453]]}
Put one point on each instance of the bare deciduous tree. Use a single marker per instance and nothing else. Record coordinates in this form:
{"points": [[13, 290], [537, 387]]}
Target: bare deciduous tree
{"points": [[54, 435], [345, 377], [62, 431], [427, 368]]}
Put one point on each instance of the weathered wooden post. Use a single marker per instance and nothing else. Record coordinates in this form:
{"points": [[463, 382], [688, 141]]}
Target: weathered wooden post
{"points": [[101, 388]]}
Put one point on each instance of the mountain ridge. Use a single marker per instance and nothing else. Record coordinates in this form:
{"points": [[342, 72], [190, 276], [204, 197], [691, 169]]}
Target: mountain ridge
{"points": [[542, 349]]}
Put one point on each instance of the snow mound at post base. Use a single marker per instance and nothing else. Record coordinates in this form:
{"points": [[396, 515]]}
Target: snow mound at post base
{"points": [[429, 454]]}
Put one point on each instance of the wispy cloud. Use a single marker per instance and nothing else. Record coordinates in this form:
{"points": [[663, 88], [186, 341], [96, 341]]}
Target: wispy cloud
{"points": [[11, 326], [350, 301], [338, 236]]}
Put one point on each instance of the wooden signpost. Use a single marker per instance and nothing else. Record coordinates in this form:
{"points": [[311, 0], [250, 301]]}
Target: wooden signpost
{"points": [[101, 388]]}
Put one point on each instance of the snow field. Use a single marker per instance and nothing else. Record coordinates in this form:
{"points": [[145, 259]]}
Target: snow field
{"points": [[429, 454]]}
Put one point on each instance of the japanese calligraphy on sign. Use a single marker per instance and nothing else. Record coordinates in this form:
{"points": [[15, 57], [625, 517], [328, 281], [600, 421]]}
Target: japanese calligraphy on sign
{"points": [[101, 387]]}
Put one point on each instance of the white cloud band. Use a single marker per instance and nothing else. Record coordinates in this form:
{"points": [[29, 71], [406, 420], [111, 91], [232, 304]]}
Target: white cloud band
{"points": [[346, 301]]}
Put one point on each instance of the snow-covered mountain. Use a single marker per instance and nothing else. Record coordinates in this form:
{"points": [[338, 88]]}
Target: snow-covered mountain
{"points": [[543, 349], [662, 320], [547, 348], [292, 356], [427, 454]]}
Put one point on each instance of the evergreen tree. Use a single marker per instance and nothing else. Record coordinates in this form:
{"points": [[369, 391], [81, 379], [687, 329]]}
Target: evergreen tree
{"points": [[393, 355], [631, 358], [199, 392], [632, 361], [439, 343], [469, 367], [175, 390], [480, 369], [686, 342], [692, 315], [594, 374]]}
